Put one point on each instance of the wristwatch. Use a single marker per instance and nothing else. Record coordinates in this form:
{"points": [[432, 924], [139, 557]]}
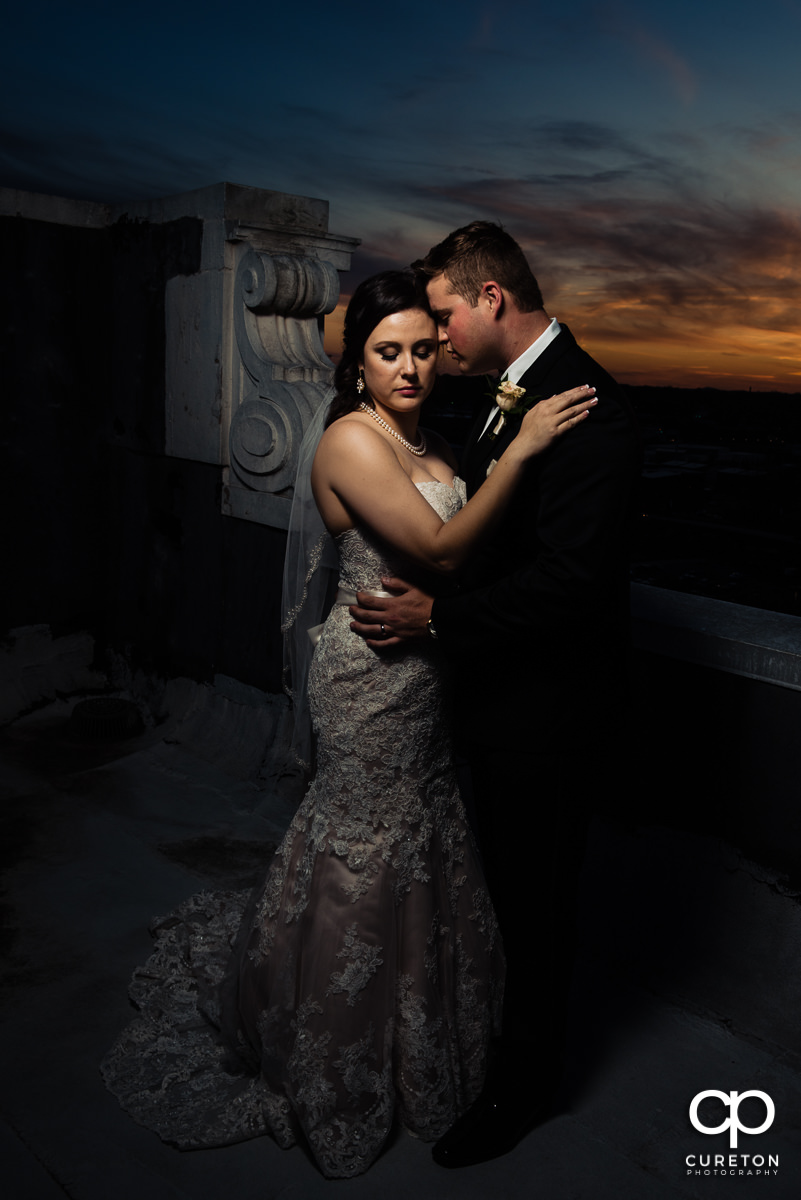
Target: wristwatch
{"points": [[431, 631]]}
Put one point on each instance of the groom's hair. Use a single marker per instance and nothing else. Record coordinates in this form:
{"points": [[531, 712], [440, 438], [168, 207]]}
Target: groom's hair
{"points": [[476, 253]]}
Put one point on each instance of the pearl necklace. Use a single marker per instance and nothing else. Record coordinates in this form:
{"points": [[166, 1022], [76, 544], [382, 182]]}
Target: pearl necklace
{"points": [[419, 449]]}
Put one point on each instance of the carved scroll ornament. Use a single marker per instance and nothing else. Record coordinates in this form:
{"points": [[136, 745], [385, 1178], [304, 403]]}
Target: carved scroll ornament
{"points": [[279, 304]]}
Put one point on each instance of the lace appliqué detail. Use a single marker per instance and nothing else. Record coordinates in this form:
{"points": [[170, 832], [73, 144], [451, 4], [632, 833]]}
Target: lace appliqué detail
{"points": [[364, 962], [374, 911]]}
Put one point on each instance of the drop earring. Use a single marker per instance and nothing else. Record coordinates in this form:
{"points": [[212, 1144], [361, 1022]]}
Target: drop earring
{"points": [[360, 381]]}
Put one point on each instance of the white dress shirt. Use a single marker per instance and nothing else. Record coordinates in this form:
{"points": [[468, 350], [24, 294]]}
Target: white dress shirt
{"points": [[519, 367]]}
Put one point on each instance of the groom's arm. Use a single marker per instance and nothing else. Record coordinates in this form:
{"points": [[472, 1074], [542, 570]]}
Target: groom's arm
{"points": [[582, 521]]}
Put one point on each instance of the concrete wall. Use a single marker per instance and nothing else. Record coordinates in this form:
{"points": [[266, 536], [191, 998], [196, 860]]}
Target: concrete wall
{"points": [[55, 349], [133, 340]]}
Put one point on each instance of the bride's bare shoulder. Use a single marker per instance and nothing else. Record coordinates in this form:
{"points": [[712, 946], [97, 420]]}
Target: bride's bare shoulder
{"points": [[350, 430], [349, 440]]}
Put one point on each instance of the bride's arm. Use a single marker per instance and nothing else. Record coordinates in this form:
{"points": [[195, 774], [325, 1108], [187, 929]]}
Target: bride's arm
{"points": [[357, 472]]}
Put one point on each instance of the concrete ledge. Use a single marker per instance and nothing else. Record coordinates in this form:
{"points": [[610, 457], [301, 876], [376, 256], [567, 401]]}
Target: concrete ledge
{"points": [[54, 210], [714, 633]]}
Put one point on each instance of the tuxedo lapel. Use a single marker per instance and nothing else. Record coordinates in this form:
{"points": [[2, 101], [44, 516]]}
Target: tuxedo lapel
{"points": [[480, 450], [476, 430], [473, 453]]}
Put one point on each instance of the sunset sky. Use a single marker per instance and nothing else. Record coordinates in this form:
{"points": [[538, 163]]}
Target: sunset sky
{"points": [[646, 155]]}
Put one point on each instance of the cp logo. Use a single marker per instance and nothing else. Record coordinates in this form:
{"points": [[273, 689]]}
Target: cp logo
{"points": [[733, 1100]]}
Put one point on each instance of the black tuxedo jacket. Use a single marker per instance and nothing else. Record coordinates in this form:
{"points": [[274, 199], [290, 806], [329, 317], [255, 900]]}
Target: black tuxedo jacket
{"points": [[543, 609]]}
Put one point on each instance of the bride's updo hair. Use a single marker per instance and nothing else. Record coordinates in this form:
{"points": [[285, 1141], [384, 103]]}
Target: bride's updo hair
{"points": [[375, 298]]}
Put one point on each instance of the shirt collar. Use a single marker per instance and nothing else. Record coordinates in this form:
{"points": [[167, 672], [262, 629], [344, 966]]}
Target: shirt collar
{"points": [[519, 367]]}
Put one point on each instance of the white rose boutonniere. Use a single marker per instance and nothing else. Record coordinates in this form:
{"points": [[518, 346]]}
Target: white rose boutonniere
{"points": [[509, 398], [508, 395]]}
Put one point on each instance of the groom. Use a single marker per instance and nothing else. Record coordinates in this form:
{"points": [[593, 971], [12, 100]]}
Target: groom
{"points": [[537, 636]]}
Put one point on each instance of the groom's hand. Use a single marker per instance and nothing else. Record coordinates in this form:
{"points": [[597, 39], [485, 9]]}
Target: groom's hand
{"points": [[403, 615]]}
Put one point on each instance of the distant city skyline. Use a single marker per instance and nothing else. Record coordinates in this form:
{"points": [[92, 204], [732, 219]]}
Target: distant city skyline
{"points": [[646, 155]]}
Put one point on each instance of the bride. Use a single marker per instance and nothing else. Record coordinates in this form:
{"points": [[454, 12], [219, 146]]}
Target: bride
{"points": [[361, 983]]}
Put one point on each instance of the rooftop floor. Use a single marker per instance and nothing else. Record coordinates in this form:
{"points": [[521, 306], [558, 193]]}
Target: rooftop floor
{"points": [[688, 979]]}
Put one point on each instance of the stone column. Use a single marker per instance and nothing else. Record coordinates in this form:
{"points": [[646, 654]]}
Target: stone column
{"points": [[245, 364]]}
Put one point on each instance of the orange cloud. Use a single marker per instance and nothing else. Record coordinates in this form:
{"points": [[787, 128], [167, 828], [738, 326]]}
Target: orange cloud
{"points": [[658, 275]]}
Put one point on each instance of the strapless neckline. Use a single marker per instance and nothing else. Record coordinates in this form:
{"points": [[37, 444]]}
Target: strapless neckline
{"points": [[452, 487], [458, 488], [364, 558]]}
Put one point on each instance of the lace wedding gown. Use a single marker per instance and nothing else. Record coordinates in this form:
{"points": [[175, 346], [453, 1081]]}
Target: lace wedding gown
{"points": [[365, 978]]}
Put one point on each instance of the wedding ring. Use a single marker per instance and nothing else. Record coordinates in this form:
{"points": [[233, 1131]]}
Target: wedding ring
{"points": [[383, 631]]}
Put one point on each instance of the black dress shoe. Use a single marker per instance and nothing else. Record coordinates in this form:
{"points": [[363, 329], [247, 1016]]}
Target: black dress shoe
{"points": [[490, 1128]]}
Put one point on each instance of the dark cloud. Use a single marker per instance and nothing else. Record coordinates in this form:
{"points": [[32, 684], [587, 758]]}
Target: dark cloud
{"points": [[87, 166], [646, 199], [649, 227], [668, 268]]}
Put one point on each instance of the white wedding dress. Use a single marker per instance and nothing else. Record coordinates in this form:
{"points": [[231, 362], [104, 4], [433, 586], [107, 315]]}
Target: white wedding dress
{"points": [[365, 978]]}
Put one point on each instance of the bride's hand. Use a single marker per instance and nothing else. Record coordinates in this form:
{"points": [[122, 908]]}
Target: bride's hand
{"points": [[550, 418]]}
